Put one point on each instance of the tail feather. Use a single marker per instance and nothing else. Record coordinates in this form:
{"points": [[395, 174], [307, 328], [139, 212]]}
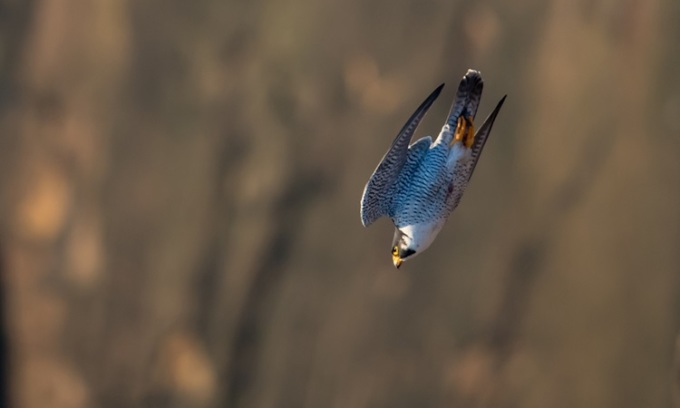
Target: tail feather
{"points": [[468, 97]]}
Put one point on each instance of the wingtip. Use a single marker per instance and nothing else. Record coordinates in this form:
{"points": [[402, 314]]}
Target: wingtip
{"points": [[429, 100], [500, 103], [437, 91], [488, 122]]}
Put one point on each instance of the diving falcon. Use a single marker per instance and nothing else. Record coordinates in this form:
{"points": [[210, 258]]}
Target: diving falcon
{"points": [[418, 185]]}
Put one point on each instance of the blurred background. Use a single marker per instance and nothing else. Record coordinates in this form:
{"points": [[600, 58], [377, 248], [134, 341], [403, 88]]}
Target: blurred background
{"points": [[179, 205]]}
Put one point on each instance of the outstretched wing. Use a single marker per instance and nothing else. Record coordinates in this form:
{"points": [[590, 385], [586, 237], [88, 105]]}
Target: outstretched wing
{"points": [[462, 171], [376, 200], [482, 134]]}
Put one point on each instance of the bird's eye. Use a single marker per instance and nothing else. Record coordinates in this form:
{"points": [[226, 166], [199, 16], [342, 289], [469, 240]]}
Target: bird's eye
{"points": [[395, 251]]}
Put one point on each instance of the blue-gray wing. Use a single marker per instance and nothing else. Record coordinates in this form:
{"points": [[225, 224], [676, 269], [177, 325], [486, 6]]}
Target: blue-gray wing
{"points": [[463, 171], [376, 199], [481, 136], [416, 154]]}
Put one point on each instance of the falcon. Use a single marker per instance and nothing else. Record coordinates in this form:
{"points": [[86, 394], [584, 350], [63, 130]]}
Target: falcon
{"points": [[418, 185]]}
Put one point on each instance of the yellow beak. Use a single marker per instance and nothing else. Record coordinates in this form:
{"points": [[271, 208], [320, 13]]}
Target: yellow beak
{"points": [[397, 261]]}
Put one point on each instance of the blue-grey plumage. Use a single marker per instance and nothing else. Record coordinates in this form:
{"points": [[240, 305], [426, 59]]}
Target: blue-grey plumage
{"points": [[377, 197], [418, 186]]}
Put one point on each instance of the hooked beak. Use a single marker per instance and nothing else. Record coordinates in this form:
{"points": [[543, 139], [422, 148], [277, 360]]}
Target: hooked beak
{"points": [[396, 260]]}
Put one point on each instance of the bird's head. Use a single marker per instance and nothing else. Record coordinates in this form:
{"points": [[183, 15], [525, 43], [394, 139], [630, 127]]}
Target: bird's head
{"points": [[402, 248], [412, 240]]}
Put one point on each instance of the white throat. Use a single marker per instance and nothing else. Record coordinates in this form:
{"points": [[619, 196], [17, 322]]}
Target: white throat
{"points": [[421, 236]]}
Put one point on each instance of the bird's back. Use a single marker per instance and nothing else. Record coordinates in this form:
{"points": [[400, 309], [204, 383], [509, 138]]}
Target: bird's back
{"points": [[421, 194]]}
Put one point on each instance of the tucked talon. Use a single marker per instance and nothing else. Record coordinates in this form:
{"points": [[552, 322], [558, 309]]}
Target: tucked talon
{"points": [[469, 138], [461, 127], [465, 131]]}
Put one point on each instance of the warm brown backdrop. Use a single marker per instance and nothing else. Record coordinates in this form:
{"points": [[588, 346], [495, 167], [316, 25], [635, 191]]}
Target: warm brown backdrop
{"points": [[179, 205]]}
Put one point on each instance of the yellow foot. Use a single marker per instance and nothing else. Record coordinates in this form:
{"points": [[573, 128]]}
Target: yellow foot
{"points": [[465, 131]]}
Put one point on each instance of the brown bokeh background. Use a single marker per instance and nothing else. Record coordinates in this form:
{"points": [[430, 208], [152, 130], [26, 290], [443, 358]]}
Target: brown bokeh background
{"points": [[179, 205]]}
